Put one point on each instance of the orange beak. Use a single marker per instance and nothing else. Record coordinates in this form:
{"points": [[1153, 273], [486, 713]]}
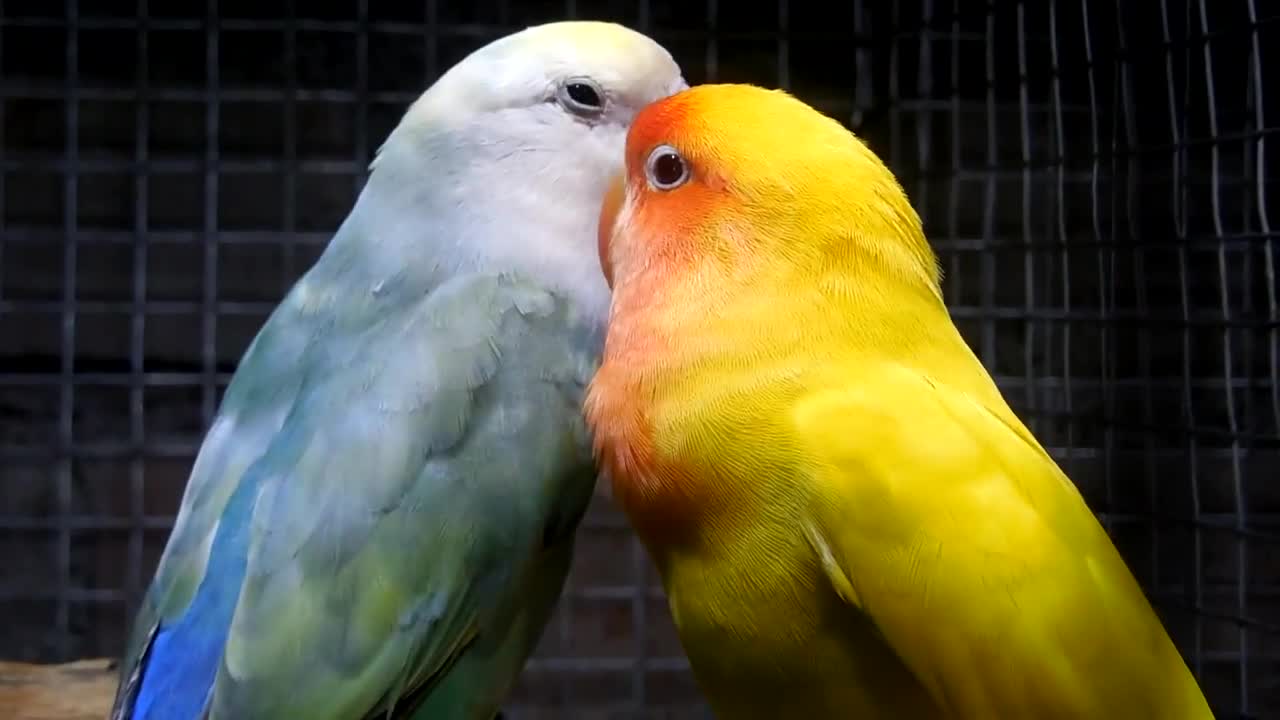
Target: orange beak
{"points": [[608, 214]]}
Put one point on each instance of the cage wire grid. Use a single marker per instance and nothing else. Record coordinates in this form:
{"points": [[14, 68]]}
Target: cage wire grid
{"points": [[1093, 173]]}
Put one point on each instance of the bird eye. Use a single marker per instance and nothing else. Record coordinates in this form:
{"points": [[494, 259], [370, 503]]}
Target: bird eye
{"points": [[665, 168], [581, 96]]}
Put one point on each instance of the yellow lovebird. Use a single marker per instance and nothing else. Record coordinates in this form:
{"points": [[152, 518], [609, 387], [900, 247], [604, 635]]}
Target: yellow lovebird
{"points": [[848, 519]]}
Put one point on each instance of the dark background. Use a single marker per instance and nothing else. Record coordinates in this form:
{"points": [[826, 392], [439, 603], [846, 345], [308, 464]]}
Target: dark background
{"points": [[1094, 174]]}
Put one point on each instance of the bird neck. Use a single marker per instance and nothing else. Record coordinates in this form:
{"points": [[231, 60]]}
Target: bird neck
{"points": [[407, 234]]}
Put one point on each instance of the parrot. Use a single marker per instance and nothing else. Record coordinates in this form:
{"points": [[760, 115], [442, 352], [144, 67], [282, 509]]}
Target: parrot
{"points": [[847, 518], [381, 515]]}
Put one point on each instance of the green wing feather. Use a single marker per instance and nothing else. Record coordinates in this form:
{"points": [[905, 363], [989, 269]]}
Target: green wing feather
{"points": [[423, 478]]}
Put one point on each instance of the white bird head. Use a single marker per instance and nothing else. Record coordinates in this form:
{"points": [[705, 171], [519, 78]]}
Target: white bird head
{"points": [[502, 164]]}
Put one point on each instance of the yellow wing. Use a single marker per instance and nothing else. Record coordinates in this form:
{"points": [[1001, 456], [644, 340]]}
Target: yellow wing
{"points": [[946, 523]]}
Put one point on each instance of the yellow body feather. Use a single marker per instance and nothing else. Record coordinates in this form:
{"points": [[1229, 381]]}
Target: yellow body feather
{"points": [[849, 520]]}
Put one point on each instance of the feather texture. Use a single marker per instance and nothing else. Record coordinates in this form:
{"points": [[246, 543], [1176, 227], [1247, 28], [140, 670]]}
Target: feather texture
{"points": [[387, 520], [848, 518], [381, 516]]}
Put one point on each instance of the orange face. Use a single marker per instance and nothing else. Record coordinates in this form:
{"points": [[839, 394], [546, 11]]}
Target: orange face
{"points": [[613, 199], [727, 178], [664, 201]]}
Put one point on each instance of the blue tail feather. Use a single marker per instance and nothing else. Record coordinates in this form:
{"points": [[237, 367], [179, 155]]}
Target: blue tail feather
{"points": [[183, 660]]}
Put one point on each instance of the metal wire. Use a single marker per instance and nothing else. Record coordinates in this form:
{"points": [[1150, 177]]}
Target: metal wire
{"points": [[1094, 180], [62, 617], [138, 318], [1242, 571]]}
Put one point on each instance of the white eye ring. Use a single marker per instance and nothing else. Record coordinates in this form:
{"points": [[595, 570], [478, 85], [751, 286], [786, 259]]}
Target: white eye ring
{"points": [[581, 96], [666, 169]]}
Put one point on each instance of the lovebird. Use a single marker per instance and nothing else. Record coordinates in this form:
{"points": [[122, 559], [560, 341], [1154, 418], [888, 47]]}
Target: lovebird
{"points": [[848, 519], [382, 514]]}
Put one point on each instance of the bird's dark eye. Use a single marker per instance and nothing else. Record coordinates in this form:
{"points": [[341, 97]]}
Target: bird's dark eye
{"points": [[666, 170], [581, 96]]}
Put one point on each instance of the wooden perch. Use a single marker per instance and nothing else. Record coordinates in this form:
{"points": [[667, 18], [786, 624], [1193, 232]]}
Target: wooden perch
{"points": [[80, 690]]}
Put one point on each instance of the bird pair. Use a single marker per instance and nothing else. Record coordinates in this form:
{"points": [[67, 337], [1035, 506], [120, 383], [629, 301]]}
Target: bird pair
{"points": [[847, 517]]}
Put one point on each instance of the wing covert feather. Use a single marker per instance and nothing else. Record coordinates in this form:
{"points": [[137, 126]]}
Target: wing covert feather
{"points": [[403, 492], [946, 523]]}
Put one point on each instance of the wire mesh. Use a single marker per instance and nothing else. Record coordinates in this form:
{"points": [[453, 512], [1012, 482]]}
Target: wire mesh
{"points": [[1093, 173]]}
